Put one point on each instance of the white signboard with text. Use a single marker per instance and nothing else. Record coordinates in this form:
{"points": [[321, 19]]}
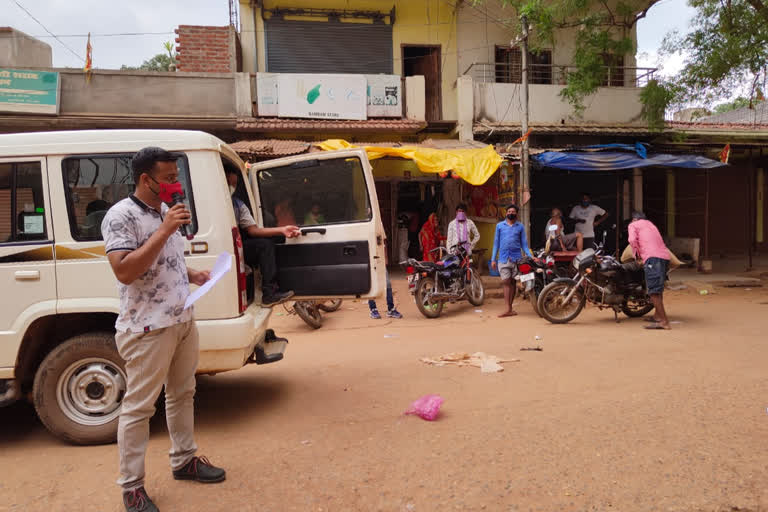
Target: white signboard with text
{"points": [[384, 95], [266, 94], [322, 96]]}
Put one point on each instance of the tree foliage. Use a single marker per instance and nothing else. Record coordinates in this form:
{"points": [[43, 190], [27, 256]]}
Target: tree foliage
{"points": [[725, 49], [736, 104], [160, 62]]}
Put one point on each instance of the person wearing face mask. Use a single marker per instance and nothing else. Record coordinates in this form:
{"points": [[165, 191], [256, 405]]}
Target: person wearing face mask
{"points": [[587, 216], [258, 246], [462, 231], [509, 244], [156, 338]]}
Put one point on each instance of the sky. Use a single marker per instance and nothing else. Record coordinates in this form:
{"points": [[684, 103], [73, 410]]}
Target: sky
{"points": [[156, 20]]}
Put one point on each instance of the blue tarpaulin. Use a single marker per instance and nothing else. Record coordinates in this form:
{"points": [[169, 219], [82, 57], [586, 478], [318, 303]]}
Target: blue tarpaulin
{"points": [[614, 161]]}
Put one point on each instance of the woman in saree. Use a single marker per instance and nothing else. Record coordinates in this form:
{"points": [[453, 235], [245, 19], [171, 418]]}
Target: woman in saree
{"points": [[430, 238]]}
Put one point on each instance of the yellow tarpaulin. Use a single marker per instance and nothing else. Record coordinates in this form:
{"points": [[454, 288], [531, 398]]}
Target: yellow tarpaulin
{"points": [[474, 166]]}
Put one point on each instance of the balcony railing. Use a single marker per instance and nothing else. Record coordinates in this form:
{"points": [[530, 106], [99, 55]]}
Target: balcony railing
{"points": [[554, 74]]}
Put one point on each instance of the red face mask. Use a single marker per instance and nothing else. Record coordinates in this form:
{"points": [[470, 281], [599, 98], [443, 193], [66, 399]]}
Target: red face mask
{"points": [[167, 190]]}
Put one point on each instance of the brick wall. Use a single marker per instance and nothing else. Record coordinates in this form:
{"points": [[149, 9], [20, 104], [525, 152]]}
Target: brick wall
{"points": [[207, 49]]}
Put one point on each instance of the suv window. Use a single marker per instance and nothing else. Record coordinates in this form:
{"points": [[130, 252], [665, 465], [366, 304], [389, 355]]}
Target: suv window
{"points": [[22, 207], [95, 182], [315, 192]]}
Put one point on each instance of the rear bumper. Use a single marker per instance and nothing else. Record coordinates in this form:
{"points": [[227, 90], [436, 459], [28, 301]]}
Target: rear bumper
{"points": [[230, 343]]}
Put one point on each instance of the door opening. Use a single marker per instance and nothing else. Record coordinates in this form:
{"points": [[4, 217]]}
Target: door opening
{"points": [[425, 60]]}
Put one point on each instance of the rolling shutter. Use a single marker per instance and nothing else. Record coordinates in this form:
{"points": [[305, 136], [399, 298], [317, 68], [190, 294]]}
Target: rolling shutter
{"points": [[328, 47]]}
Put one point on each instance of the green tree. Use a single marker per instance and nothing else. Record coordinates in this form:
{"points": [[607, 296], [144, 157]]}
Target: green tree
{"points": [[736, 104], [160, 62]]}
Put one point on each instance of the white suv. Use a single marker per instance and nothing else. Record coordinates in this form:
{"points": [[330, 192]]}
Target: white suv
{"points": [[59, 300]]}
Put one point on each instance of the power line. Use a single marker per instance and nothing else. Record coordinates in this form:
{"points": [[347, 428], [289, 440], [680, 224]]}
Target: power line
{"points": [[46, 29]]}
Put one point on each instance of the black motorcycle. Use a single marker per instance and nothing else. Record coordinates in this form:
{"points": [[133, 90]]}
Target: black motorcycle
{"points": [[603, 281], [434, 283], [533, 275]]}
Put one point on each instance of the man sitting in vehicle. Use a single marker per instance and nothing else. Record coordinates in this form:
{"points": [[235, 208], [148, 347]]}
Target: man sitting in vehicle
{"points": [[258, 246], [562, 242]]}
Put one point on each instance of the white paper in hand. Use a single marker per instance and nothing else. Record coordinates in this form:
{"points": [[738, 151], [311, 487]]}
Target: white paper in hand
{"points": [[222, 266]]}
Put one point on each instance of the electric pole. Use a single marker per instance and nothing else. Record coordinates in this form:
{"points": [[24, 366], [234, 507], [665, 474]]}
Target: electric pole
{"points": [[525, 176]]}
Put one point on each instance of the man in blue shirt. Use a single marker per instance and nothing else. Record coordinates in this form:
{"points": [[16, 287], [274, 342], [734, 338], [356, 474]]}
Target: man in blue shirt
{"points": [[510, 242]]}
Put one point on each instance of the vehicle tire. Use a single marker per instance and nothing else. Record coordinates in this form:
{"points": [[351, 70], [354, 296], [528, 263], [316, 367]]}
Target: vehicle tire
{"points": [[428, 308], [552, 310], [309, 312], [475, 291], [330, 306], [79, 388], [634, 310]]}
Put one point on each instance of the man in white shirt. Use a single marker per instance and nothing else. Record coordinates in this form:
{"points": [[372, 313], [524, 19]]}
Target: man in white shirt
{"points": [[462, 231], [587, 216]]}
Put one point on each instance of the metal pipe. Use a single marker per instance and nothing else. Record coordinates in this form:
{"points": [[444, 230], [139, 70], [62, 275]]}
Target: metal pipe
{"points": [[524, 161]]}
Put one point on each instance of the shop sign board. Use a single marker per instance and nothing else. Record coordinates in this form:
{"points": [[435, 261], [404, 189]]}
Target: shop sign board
{"points": [[29, 91], [383, 96], [322, 96]]}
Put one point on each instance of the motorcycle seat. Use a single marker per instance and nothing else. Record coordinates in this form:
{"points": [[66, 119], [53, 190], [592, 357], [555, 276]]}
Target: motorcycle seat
{"points": [[564, 255]]}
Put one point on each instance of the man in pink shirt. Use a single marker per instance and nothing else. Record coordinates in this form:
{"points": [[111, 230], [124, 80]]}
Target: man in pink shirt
{"points": [[648, 246]]}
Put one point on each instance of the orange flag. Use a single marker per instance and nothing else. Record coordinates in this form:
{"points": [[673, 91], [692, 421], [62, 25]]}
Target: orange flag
{"points": [[88, 59], [725, 153]]}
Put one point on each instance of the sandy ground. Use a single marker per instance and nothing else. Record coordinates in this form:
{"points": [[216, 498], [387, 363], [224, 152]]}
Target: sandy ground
{"points": [[608, 417]]}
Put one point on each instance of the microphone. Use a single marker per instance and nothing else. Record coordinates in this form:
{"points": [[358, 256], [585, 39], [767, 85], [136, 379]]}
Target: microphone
{"points": [[186, 229]]}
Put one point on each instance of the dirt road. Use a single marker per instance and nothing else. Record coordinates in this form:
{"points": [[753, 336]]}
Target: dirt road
{"points": [[607, 417]]}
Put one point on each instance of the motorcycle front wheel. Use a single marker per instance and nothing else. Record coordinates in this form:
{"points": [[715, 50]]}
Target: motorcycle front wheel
{"points": [[534, 294], [475, 290], [636, 308], [308, 311], [428, 307], [552, 306]]}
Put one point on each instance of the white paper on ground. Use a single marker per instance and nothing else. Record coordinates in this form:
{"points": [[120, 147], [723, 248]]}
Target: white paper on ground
{"points": [[222, 266]]}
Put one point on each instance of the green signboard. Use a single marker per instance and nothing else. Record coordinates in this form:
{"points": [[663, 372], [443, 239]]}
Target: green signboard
{"points": [[23, 90]]}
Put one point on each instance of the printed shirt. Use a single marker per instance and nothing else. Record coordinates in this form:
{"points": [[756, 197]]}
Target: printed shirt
{"points": [[510, 242], [587, 228], [646, 240], [155, 300], [473, 235]]}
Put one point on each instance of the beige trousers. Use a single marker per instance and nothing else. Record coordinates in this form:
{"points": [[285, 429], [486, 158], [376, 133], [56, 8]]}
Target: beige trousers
{"points": [[162, 357]]}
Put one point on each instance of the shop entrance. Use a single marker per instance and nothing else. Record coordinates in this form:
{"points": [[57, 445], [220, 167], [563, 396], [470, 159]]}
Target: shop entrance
{"points": [[563, 189]]}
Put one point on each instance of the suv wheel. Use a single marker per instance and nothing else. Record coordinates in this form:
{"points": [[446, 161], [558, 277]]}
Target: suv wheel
{"points": [[79, 389]]}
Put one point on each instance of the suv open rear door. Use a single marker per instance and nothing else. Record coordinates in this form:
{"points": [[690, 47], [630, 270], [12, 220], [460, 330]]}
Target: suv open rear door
{"points": [[331, 196]]}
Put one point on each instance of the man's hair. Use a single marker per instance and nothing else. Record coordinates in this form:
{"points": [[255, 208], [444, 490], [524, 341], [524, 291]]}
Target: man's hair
{"points": [[586, 194], [230, 170], [638, 215], [512, 206], [96, 205], [461, 206], [145, 159]]}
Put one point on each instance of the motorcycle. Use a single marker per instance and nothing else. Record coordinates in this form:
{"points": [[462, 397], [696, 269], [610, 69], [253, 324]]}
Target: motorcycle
{"points": [[603, 281], [309, 310], [533, 275], [432, 284]]}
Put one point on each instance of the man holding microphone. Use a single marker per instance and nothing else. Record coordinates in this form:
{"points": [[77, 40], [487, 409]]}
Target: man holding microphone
{"points": [[155, 335]]}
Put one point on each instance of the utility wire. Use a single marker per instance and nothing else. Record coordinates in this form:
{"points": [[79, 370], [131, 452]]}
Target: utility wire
{"points": [[73, 52]]}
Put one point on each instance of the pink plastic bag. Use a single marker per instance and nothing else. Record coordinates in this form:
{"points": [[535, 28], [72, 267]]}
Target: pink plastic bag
{"points": [[426, 407]]}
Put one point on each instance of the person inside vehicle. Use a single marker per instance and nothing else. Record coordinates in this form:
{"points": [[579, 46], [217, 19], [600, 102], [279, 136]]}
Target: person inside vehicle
{"points": [[587, 216], [562, 242], [284, 215], [94, 214], [509, 244], [314, 216], [462, 231], [258, 246], [649, 247]]}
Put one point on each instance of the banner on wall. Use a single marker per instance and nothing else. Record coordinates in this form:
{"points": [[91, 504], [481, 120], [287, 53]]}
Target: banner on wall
{"points": [[322, 96], [383, 96]]}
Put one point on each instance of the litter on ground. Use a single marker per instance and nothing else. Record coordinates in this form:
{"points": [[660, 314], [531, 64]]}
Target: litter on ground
{"points": [[426, 407], [486, 362]]}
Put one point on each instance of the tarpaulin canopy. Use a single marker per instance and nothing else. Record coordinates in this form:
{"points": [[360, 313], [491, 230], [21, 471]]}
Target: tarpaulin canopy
{"points": [[474, 166], [613, 161]]}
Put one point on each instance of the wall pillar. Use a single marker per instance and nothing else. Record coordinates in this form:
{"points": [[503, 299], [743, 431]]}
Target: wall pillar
{"points": [[637, 185], [465, 99]]}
